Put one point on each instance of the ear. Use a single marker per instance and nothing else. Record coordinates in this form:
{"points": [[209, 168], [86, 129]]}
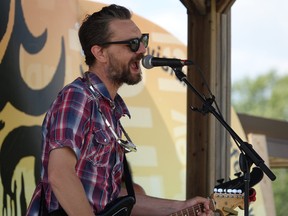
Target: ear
{"points": [[99, 53]]}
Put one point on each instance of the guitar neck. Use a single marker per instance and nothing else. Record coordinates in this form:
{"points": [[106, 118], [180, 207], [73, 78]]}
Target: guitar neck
{"points": [[193, 210]]}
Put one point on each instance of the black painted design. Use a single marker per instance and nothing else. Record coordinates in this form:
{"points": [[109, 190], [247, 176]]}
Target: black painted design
{"points": [[22, 141]]}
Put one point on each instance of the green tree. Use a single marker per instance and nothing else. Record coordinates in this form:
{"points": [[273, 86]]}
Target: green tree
{"points": [[266, 96]]}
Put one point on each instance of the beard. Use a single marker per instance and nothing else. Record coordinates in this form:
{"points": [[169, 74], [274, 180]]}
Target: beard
{"points": [[119, 73]]}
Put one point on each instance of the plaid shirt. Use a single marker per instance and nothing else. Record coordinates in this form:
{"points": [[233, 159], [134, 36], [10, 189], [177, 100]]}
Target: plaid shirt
{"points": [[74, 121]]}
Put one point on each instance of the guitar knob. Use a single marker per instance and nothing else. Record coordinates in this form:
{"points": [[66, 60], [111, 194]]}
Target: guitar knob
{"points": [[238, 174], [220, 181]]}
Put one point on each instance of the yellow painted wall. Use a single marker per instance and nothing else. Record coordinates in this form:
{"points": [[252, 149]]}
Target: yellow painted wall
{"points": [[40, 53]]}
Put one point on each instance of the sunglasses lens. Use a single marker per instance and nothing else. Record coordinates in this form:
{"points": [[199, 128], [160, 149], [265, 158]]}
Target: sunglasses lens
{"points": [[134, 44], [144, 40]]}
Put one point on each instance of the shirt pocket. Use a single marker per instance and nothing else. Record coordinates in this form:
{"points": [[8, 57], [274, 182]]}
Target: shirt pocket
{"points": [[100, 148]]}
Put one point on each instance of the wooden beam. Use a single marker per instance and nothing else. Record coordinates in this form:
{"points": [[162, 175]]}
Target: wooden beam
{"points": [[276, 162], [203, 6], [259, 125], [195, 5], [208, 145], [200, 6], [276, 136], [224, 6]]}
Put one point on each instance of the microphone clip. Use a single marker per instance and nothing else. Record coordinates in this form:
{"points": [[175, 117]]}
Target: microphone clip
{"points": [[207, 106]]}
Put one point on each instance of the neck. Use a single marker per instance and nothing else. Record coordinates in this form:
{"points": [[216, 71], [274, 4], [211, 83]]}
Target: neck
{"points": [[111, 87]]}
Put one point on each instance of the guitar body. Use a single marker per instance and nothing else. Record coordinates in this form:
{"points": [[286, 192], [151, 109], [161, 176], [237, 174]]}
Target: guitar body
{"points": [[121, 206]]}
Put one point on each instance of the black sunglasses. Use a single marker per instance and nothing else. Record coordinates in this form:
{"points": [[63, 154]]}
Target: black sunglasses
{"points": [[133, 44]]}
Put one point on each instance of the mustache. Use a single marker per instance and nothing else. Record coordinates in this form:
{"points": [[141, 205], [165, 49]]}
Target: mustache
{"points": [[139, 57]]}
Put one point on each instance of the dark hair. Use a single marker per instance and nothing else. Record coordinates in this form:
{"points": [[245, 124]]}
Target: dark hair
{"points": [[95, 28]]}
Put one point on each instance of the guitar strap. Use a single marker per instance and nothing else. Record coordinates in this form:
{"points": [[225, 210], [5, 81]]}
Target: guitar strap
{"points": [[128, 179]]}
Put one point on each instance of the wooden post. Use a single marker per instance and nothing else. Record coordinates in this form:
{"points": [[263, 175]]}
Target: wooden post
{"points": [[208, 147]]}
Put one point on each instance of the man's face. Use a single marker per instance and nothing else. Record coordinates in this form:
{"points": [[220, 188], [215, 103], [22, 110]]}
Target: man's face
{"points": [[124, 64]]}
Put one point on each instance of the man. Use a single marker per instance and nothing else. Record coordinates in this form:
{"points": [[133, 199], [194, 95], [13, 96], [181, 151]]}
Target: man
{"points": [[82, 156]]}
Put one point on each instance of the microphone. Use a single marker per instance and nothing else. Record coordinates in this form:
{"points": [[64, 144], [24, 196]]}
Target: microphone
{"points": [[149, 62]]}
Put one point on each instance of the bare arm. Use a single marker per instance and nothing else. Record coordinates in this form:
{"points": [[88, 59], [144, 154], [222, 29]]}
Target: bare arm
{"points": [[65, 183]]}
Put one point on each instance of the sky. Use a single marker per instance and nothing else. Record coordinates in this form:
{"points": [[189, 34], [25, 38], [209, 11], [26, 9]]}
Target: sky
{"points": [[259, 31]]}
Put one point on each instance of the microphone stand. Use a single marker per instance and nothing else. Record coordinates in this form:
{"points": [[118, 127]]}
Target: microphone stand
{"points": [[248, 155]]}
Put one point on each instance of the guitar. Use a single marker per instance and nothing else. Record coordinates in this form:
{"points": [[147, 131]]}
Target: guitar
{"points": [[219, 202], [121, 206], [226, 197], [222, 200]]}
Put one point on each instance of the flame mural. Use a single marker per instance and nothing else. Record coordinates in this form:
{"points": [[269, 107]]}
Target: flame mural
{"points": [[23, 97], [23, 140], [39, 54]]}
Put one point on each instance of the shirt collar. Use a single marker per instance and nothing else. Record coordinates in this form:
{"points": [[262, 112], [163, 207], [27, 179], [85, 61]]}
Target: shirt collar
{"points": [[119, 103]]}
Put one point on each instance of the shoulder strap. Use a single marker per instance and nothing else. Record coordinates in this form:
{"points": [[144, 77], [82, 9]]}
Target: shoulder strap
{"points": [[128, 178]]}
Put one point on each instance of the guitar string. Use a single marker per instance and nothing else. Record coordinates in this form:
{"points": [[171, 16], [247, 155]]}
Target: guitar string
{"points": [[193, 210]]}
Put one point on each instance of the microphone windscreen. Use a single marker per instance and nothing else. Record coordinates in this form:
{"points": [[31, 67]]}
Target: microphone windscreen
{"points": [[146, 62]]}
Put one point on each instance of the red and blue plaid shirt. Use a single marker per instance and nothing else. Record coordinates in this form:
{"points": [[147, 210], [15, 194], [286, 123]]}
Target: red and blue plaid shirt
{"points": [[74, 121]]}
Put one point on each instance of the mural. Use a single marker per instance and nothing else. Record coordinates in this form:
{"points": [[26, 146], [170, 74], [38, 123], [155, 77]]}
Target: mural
{"points": [[39, 54], [22, 141]]}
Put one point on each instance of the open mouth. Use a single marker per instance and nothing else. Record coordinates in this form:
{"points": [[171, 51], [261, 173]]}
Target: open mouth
{"points": [[135, 65]]}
